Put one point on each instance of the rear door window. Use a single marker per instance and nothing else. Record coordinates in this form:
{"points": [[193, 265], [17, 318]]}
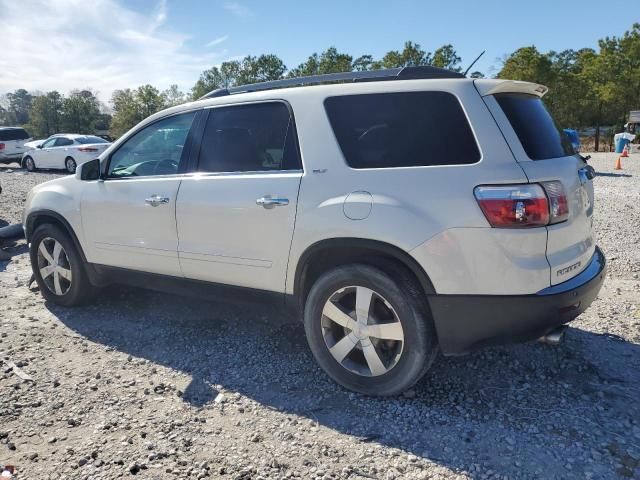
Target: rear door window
{"points": [[249, 138], [407, 129], [538, 133]]}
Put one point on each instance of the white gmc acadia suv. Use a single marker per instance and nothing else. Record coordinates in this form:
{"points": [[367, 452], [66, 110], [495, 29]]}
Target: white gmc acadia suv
{"points": [[399, 212]]}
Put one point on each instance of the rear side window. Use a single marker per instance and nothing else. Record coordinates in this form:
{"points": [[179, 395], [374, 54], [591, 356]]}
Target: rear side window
{"points": [[90, 139], [14, 134], [407, 129], [63, 142], [249, 138], [539, 135]]}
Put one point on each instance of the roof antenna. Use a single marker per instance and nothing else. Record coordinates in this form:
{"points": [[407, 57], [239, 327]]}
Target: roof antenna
{"points": [[473, 63]]}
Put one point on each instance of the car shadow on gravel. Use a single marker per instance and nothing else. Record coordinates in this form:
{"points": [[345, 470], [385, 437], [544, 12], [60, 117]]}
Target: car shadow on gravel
{"points": [[526, 408], [609, 174]]}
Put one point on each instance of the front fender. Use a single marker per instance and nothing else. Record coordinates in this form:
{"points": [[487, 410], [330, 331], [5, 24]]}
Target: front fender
{"points": [[59, 199]]}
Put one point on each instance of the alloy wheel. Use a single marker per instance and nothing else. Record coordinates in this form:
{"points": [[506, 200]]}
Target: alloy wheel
{"points": [[54, 266], [362, 331], [71, 165]]}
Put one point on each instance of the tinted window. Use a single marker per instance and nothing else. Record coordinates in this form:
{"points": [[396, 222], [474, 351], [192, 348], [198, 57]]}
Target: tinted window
{"points": [[14, 134], [90, 139], [155, 150], [534, 126], [402, 130], [63, 142], [249, 138]]}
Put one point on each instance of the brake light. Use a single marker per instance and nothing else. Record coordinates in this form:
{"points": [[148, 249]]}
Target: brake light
{"points": [[514, 206], [1, 146], [523, 206], [87, 149]]}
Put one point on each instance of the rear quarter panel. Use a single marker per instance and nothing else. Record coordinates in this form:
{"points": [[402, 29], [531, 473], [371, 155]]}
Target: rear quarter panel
{"points": [[409, 205]]}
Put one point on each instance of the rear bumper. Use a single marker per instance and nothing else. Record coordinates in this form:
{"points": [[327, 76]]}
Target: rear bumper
{"points": [[465, 323], [10, 157]]}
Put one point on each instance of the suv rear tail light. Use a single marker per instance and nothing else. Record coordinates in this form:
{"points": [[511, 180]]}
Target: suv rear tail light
{"points": [[88, 149], [523, 206], [1, 146], [514, 206]]}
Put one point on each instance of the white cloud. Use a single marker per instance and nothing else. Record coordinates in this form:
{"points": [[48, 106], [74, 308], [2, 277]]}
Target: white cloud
{"points": [[67, 44], [160, 15], [217, 41], [237, 9]]}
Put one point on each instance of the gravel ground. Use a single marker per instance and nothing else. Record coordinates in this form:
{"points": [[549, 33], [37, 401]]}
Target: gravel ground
{"points": [[157, 386]]}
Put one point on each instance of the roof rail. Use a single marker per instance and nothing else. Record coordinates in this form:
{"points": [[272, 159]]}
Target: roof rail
{"points": [[404, 73]]}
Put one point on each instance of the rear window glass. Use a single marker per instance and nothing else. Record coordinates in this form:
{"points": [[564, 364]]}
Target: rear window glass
{"points": [[90, 139], [14, 134], [538, 133], [405, 129]]}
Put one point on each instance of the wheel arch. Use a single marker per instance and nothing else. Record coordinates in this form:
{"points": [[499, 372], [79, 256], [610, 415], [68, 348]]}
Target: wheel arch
{"points": [[326, 254], [41, 217]]}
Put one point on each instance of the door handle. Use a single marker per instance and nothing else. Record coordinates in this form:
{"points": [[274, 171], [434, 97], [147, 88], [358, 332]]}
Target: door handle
{"points": [[269, 202], [155, 200]]}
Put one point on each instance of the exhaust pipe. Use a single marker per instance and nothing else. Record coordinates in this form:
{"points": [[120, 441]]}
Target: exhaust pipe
{"points": [[554, 337]]}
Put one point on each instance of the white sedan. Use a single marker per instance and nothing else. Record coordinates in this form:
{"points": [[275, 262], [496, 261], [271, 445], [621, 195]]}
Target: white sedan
{"points": [[64, 151]]}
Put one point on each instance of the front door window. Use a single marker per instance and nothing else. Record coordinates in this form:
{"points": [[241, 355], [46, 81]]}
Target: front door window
{"points": [[155, 150]]}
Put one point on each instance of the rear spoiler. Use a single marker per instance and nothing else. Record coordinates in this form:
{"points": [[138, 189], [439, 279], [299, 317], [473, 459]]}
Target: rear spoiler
{"points": [[491, 87]]}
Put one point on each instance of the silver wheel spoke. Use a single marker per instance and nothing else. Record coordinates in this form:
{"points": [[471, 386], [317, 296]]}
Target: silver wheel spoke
{"points": [[385, 331], [373, 360], [46, 271], [57, 248], [56, 283], [341, 349], [356, 333], [65, 273], [47, 256], [334, 313], [363, 304]]}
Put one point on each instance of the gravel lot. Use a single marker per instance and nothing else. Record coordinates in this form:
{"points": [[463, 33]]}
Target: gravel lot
{"points": [[159, 386]]}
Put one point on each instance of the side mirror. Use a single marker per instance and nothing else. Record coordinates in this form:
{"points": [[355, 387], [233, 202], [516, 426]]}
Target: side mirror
{"points": [[90, 170], [39, 146]]}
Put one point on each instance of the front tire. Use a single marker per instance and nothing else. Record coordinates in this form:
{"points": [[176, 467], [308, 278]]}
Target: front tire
{"points": [[70, 165], [58, 267], [29, 164], [369, 332]]}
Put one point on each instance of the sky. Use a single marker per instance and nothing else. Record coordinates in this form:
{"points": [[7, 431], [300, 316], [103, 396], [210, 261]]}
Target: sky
{"points": [[112, 44]]}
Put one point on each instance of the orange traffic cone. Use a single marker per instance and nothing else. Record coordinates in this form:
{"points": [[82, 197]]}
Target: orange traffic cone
{"points": [[618, 163], [625, 151]]}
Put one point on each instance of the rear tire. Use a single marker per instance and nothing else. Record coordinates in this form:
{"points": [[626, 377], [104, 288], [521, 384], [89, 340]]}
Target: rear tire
{"points": [[392, 308], [29, 164], [58, 267], [70, 165]]}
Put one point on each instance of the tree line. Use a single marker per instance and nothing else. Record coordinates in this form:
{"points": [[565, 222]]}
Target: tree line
{"points": [[587, 87]]}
